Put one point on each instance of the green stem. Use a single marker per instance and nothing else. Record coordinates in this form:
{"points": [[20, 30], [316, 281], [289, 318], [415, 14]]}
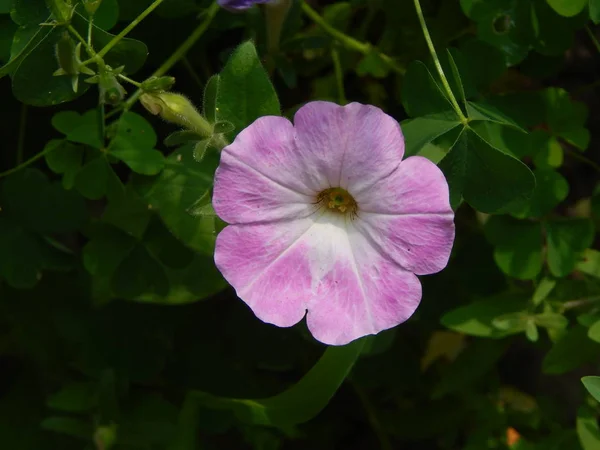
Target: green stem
{"points": [[22, 133], [339, 75], [80, 38], [130, 81], [593, 38], [26, 163], [90, 30], [437, 64], [114, 41], [586, 301], [348, 41], [211, 12]]}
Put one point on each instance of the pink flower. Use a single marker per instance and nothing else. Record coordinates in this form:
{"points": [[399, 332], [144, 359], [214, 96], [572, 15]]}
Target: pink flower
{"points": [[326, 220]]}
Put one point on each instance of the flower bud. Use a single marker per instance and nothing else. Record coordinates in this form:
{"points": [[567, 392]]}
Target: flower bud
{"points": [[177, 109], [68, 56], [111, 91], [91, 6], [62, 10], [158, 84]]}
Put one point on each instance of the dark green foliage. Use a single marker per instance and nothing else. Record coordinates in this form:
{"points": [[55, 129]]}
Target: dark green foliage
{"points": [[117, 330]]}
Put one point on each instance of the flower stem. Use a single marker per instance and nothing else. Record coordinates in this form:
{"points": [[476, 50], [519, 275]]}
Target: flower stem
{"points": [[114, 41], [339, 75], [593, 38], [130, 81], [181, 51], [348, 41], [437, 64], [25, 164]]}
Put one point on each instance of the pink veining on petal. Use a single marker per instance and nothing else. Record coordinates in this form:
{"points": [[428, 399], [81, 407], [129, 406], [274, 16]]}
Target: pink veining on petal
{"points": [[350, 146], [408, 216], [285, 254]]}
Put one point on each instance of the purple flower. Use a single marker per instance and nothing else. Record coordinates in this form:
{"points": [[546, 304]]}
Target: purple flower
{"points": [[238, 5], [325, 220]]}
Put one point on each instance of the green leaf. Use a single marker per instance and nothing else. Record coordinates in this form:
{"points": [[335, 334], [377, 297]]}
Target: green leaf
{"points": [[245, 92], [595, 11], [128, 212], [223, 127], [74, 397], [128, 52], [551, 320], [567, 8], [96, 179], [543, 290], [476, 318], [142, 161], [105, 251], [373, 65], [209, 101], [72, 427], [29, 38], [177, 189], [420, 131], [483, 75], [550, 153], [300, 403], [34, 82], [566, 240], [590, 263], [487, 178], [592, 384], [107, 14], [551, 189], [421, 95], [489, 113], [517, 246], [531, 331], [571, 351], [65, 158], [594, 331], [42, 206], [587, 428], [84, 129], [139, 273]]}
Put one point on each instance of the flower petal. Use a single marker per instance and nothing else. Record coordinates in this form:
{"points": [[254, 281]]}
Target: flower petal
{"points": [[258, 178], [351, 146], [363, 293], [268, 267], [320, 263], [408, 216]]}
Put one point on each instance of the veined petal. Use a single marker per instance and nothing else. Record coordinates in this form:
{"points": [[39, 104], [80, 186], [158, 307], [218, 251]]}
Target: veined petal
{"points": [[259, 178], [321, 264], [408, 216], [363, 293], [353, 146]]}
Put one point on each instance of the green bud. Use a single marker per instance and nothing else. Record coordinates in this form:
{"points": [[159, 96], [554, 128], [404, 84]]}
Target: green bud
{"points": [[158, 84], [91, 6], [111, 91], [62, 10], [177, 109], [68, 56]]}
